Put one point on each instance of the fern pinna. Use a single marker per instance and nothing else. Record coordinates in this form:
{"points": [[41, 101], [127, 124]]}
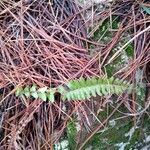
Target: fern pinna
{"points": [[78, 89]]}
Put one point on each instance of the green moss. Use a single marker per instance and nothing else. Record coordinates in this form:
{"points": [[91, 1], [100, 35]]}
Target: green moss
{"points": [[110, 137], [110, 70], [130, 50], [71, 134], [135, 137], [104, 32]]}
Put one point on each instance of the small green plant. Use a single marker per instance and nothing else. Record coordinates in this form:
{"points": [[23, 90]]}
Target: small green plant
{"points": [[72, 134], [77, 89]]}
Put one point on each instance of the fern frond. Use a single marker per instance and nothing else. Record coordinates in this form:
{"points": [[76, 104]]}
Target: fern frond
{"points": [[77, 89], [84, 89]]}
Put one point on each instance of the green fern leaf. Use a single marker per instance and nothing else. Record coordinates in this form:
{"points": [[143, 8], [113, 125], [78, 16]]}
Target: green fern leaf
{"points": [[33, 88], [34, 95], [111, 80], [98, 91], [93, 91], [19, 91], [61, 90], [78, 89], [94, 81], [103, 89], [42, 90], [42, 96], [69, 96], [50, 95], [82, 82], [75, 85], [26, 91], [87, 92]]}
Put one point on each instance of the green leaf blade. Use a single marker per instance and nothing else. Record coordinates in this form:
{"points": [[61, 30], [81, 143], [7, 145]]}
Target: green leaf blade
{"points": [[42, 96]]}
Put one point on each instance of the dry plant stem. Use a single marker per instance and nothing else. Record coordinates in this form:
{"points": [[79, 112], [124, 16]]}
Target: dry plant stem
{"points": [[57, 44], [136, 63], [114, 41], [124, 46], [99, 127], [27, 117]]}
